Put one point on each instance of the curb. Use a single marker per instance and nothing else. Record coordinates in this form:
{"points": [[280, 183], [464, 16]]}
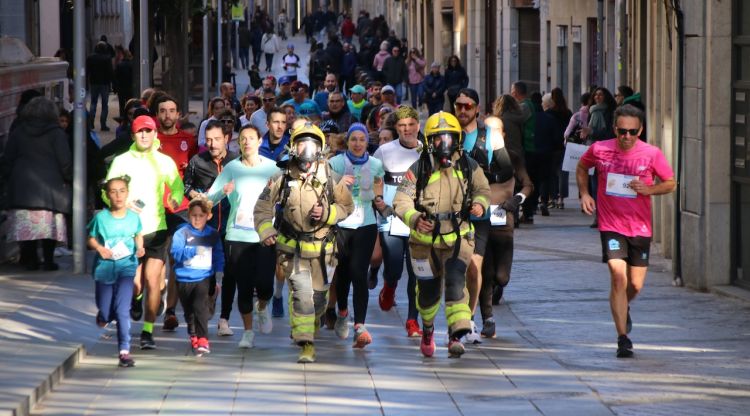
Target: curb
{"points": [[24, 407], [733, 292]]}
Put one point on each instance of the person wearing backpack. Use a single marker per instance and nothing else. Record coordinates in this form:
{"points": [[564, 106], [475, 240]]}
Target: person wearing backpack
{"points": [[435, 199]]}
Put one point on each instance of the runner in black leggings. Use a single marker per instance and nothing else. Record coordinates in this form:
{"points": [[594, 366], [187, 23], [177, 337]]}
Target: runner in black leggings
{"points": [[357, 233]]}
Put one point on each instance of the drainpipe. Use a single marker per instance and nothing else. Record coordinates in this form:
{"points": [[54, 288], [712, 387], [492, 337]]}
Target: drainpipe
{"points": [[677, 246]]}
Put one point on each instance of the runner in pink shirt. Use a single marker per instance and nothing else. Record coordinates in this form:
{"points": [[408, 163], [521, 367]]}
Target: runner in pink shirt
{"points": [[626, 168]]}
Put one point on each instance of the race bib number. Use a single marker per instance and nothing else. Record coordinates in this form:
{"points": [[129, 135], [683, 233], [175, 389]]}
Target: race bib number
{"points": [[619, 185], [356, 218], [398, 228], [421, 268], [498, 216], [245, 220], [120, 251], [202, 258]]}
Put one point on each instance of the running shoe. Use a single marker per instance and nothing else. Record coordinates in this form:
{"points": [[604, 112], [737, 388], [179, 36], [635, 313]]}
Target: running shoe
{"points": [[307, 354], [624, 347], [455, 348], [126, 361], [203, 347], [264, 319], [427, 346], [170, 322], [330, 318], [147, 341], [136, 307], [387, 297], [248, 338], [341, 327], [223, 328], [628, 323], [277, 307], [193, 342], [473, 336], [361, 336], [488, 328], [412, 328]]}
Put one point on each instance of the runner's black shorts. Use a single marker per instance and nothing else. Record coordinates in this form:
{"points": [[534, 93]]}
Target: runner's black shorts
{"points": [[174, 220], [481, 234], [634, 250], [156, 245]]}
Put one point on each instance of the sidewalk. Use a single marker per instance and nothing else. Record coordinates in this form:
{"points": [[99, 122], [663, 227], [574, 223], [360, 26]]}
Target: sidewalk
{"points": [[554, 353]]}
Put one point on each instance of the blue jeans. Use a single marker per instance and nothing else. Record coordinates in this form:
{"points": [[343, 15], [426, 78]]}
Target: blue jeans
{"points": [[113, 301], [415, 90], [97, 91], [399, 88], [395, 250]]}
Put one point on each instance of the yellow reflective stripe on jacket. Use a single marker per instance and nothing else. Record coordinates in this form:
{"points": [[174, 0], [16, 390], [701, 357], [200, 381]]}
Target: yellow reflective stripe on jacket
{"points": [[436, 176], [409, 214], [449, 238], [264, 226], [311, 246], [331, 215]]}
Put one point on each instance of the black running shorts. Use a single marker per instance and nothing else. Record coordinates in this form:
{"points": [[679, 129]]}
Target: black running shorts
{"points": [[155, 245], [634, 250]]}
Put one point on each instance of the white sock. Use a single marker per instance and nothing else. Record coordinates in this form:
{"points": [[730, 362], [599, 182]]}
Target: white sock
{"points": [[123, 352], [278, 288]]}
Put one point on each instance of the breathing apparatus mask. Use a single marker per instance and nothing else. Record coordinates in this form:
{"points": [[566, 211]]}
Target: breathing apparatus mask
{"points": [[442, 146], [305, 152]]}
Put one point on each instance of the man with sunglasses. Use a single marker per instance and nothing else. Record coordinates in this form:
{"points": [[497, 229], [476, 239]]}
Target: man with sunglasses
{"points": [[626, 168], [259, 117], [299, 92]]}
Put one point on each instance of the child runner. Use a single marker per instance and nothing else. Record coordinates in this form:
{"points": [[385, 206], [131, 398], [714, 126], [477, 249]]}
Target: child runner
{"points": [[199, 256], [115, 234]]}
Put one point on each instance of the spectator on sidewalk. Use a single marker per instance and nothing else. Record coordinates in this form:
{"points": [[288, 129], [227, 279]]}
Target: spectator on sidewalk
{"points": [[37, 168], [271, 45], [123, 79], [624, 212], [434, 89], [245, 38], [455, 79], [379, 60], [256, 42], [100, 76], [395, 72], [415, 63]]}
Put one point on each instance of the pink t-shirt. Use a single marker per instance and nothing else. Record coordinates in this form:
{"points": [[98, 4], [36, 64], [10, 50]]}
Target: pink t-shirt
{"points": [[618, 211]]}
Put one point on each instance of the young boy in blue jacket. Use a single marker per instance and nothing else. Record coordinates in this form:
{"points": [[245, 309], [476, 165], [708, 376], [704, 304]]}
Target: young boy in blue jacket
{"points": [[199, 256]]}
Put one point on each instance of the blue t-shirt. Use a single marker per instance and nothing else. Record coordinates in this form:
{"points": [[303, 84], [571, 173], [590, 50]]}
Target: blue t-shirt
{"points": [[362, 198], [470, 139], [118, 235]]}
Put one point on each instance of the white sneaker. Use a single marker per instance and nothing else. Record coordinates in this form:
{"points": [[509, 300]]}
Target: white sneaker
{"points": [[341, 328], [473, 337], [247, 339], [224, 329], [264, 319]]}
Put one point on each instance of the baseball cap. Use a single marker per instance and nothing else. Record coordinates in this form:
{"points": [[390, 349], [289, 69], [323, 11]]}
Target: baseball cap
{"points": [[387, 88], [358, 89], [308, 109], [435, 64], [143, 122], [284, 80]]}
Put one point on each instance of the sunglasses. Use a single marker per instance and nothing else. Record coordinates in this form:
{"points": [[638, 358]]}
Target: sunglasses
{"points": [[268, 100], [632, 132], [227, 121], [297, 89], [464, 106]]}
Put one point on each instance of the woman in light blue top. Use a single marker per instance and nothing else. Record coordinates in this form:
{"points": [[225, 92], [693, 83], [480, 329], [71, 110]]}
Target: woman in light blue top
{"points": [[357, 233], [251, 263]]}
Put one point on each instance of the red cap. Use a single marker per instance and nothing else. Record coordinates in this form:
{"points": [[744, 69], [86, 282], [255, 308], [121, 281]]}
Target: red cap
{"points": [[143, 122]]}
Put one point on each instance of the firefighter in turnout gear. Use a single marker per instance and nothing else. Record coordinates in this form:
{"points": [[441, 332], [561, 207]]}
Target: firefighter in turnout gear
{"points": [[437, 195], [311, 201]]}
